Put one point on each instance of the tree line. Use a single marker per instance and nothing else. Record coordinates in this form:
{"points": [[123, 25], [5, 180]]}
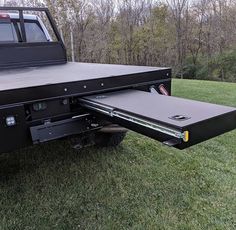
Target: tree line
{"points": [[196, 38]]}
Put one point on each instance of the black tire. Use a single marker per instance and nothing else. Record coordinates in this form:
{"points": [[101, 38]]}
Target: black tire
{"points": [[109, 139]]}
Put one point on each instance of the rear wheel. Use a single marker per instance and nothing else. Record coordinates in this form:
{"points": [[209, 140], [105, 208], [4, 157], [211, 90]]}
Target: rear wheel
{"points": [[109, 139]]}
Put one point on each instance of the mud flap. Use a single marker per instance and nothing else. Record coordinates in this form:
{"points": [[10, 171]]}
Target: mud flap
{"points": [[176, 122]]}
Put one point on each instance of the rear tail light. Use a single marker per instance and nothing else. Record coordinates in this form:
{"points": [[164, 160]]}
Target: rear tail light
{"points": [[4, 16], [163, 90]]}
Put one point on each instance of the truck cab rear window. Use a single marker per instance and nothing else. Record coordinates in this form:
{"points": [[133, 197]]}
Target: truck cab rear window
{"points": [[34, 32], [7, 33], [11, 32]]}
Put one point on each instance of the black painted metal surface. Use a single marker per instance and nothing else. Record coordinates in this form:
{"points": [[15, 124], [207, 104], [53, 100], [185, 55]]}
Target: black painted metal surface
{"points": [[60, 129], [74, 79], [202, 120]]}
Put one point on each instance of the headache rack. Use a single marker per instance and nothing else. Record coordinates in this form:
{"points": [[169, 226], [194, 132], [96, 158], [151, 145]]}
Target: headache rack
{"points": [[28, 54]]}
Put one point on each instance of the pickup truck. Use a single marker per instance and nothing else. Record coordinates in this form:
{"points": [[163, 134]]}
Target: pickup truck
{"points": [[44, 97]]}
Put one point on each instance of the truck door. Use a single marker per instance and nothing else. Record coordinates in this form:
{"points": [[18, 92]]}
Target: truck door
{"points": [[174, 121]]}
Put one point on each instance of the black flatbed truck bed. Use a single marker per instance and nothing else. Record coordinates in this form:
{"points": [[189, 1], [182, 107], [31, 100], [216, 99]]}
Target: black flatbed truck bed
{"points": [[74, 79], [43, 97]]}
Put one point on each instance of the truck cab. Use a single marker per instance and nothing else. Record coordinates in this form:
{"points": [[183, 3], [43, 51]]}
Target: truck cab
{"points": [[11, 32]]}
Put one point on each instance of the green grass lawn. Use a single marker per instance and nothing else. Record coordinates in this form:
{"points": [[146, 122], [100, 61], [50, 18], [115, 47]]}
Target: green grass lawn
{"points": [[140, 185]]}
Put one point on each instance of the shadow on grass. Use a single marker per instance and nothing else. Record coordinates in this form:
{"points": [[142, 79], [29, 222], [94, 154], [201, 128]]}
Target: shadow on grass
{"points": [[51, 155]]}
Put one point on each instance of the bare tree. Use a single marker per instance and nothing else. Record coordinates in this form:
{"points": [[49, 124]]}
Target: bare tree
{"points": [[196, 29], [179, 10]]}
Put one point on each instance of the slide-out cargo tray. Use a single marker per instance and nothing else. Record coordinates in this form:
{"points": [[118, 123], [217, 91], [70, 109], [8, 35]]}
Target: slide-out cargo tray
{"points": [[174, 121]]}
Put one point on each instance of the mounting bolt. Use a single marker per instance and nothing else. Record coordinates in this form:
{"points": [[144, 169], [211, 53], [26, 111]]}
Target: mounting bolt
{"points": [[65, 102], [93, 125], [102, 84], [65, 89], [85, 86]]}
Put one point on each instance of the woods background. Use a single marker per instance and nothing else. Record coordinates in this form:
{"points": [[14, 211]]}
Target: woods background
{"points": [[196, 38]]}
